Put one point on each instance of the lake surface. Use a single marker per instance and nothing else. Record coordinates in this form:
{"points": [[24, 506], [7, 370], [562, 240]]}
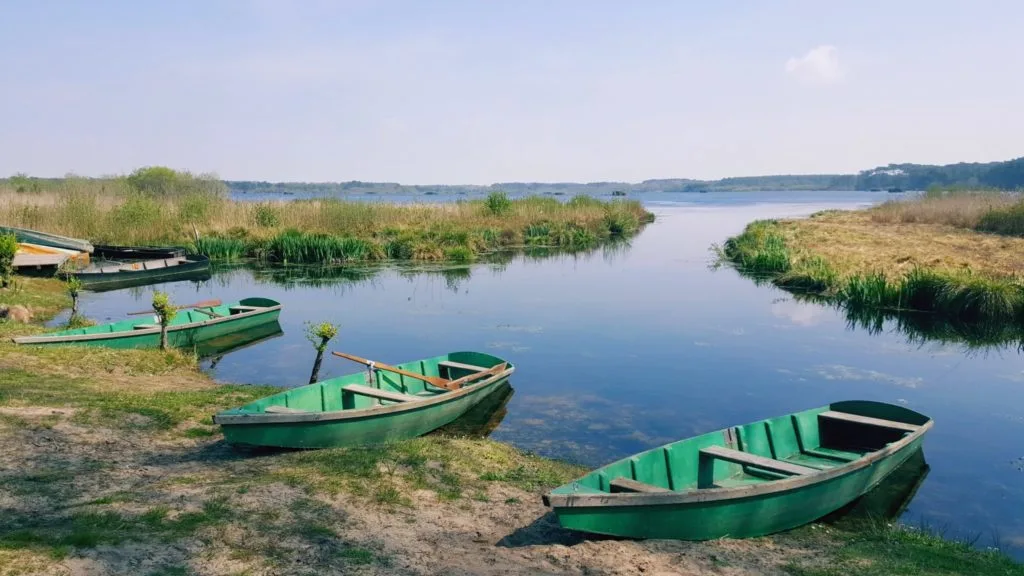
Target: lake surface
{"points": [[628, 348]]}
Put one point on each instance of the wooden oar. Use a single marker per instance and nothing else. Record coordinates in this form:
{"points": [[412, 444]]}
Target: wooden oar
{"points": [[432, 380], [203, 304]]}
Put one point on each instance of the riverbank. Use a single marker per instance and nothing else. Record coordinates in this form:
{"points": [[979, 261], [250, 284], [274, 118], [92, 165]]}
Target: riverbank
{"points": [[323, 230], [110, 465], [928, 255]]}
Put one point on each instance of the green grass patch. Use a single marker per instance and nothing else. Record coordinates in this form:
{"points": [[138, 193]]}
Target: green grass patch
{"points": [[761, 251], [877, 549], [387, 473], [158, 410]]}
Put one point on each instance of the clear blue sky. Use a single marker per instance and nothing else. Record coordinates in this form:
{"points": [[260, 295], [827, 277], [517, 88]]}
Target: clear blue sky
{"points": [[486, 91]]}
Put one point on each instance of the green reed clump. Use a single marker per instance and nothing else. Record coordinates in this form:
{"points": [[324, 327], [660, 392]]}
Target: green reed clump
{"points": [[459, 254], [294, 246], [872, 290], [571, 237], [400, 248], [621, 223], [1006, 221], [811, 275], [975, 298], [760, 249], [922, 289], [221, 247], [537, 234]]}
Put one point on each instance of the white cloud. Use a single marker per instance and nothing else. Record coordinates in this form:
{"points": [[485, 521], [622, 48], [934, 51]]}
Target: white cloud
{"points": [[799, 313], [820, 66]]}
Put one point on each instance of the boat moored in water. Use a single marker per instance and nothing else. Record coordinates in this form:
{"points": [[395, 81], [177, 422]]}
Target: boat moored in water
{"points": [[188, 328]]}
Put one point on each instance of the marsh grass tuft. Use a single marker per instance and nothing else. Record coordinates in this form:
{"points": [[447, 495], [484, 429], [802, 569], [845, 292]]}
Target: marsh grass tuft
{"points": [[763, 251]]}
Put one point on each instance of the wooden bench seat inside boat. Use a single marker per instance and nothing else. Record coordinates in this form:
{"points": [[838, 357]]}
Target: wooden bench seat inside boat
{"points": [[283, 410], [831, 415], [461, 366], [745, 458], [381, 394], [627, 485]]}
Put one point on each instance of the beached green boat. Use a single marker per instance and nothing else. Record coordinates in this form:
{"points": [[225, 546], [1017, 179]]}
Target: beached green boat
{"points": [[359, 409], [745, 481], [46, 239], [188, 328]]}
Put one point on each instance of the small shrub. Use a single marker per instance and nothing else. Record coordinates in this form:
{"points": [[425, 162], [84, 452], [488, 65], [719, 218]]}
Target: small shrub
{"points": [[165, 312], [139, 212], [196, 208], [266, 216], [8, 248], [498, 203]]}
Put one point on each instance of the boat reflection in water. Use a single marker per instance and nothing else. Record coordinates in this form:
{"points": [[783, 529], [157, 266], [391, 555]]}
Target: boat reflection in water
{"points": [[481, 420], [216, 348], [888, 500]]}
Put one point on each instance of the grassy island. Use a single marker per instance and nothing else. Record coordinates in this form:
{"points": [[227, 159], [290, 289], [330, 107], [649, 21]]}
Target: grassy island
{"points": [[953, 255], [111, 465], [158, 206]]}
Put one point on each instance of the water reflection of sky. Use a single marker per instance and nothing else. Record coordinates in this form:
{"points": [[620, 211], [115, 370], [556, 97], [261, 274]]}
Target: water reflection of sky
{"points": [[621, 350]]}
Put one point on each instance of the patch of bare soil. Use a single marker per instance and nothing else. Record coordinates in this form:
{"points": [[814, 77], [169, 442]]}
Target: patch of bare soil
{"points": [[48, 472]]}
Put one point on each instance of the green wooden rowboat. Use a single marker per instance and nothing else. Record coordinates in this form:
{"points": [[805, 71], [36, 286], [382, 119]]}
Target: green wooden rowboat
{"points": [[188, 328], [359, 409], [745, 481], [46, 239], [101, 275]]}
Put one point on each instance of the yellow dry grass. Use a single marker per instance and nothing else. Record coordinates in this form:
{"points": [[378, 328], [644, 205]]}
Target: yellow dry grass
{"points": [[109, 216], [860, 242]]}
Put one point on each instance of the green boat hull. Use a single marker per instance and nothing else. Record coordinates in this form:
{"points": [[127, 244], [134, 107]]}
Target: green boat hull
{"points": [[195, 267], [45, 239], [735, 500], [188, 329], [330, 417]]}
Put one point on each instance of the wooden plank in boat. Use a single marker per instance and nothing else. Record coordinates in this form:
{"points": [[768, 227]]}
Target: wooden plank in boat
{"points": [[738, 457], [23, 260], [382, 394], [627, 485], [282, 410], [831, 415], [462, 366]]}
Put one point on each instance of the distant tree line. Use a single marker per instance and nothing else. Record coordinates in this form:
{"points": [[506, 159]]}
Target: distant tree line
{"points": [[158, 180], [1007, 175]]}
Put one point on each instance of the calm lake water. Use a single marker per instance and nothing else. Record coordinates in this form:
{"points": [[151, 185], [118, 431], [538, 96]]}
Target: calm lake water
{"points": [[629, 348]]}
